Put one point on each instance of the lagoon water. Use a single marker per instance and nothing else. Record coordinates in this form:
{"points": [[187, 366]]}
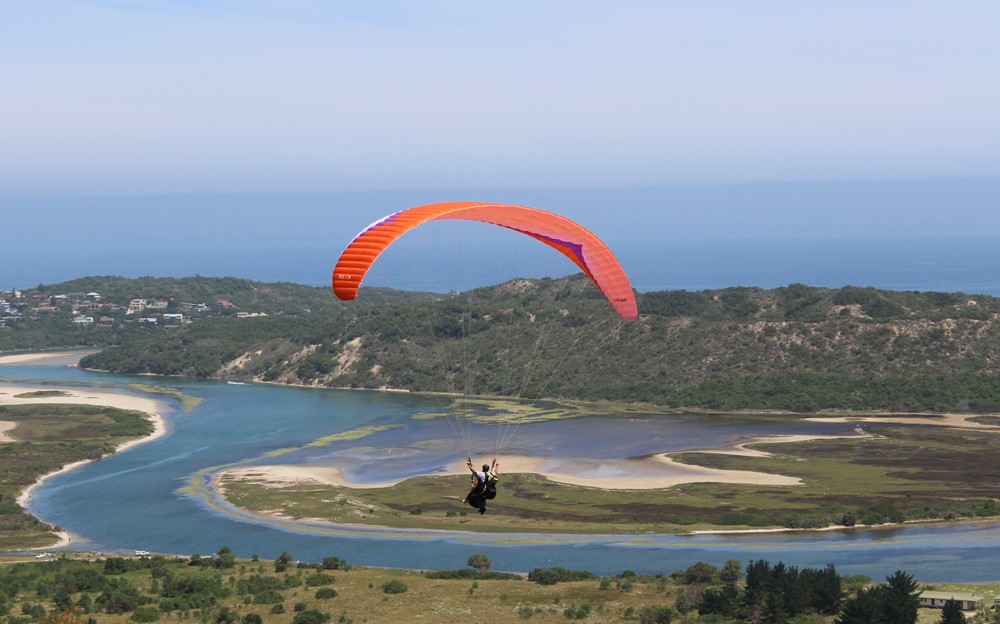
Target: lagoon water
{"points": [[152, 497]]}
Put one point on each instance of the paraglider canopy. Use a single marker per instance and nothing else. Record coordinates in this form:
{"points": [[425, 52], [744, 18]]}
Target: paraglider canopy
{"points": [[568, 237]]}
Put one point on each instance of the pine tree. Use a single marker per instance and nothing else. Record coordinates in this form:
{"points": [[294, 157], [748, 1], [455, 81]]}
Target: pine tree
{"points": [[952, 613]]}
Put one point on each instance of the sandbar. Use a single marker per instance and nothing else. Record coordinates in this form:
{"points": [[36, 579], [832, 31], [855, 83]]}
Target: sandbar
{"points": [[956, 421], [645, 478], [40, 357], [78, 396]]}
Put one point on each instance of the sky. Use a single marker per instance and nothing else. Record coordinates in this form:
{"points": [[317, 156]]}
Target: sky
{"points": [[138, 98], [255, 138]]}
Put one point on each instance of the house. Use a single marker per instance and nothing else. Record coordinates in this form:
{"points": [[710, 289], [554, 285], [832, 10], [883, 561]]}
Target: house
{"points": [[83, 321], [136, 305], [159, 304], [173, 318], [46, 309], [250, 314], [106, 321], [93, 296], [937, 599], [225, 303], [147, 322]]}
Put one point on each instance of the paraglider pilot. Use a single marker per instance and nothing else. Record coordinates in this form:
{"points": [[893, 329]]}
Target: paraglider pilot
{"points": [[483, 485]]}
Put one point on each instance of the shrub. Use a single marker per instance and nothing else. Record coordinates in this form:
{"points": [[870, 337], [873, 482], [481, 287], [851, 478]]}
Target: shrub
{"points": [[325, 593], [472, 574], [311, 616], [278, 609], [577, 613], [394, 587], [252, 618], [335, 563], [319, 580], [146, 614], [551, 576], [654, 615]]}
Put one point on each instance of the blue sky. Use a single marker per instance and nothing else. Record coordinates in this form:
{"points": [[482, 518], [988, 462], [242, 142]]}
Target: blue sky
{"points": [[135, 97]]}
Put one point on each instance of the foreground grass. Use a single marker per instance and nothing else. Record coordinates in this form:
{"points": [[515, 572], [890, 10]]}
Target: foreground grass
{"points": [[360, 594], [87, 588], [897, 474]]}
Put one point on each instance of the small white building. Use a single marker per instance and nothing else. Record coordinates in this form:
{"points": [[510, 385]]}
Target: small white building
{"points": [[173, 318], [136, 305], [83, 321], [937, 599]]}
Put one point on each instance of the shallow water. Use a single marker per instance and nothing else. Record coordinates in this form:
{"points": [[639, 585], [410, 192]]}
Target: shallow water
{"points": [[152, 497]]}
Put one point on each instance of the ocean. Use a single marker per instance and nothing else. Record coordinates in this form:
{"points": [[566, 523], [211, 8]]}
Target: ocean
{"points": [[950, 264]]}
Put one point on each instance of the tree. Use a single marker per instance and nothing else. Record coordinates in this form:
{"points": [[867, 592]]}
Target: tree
{"points": [[862, 608], [952, 613], [827, 589], [282, 562], [700, 573], [225, 558], [732, 572], [724, 601], [899, 599], [480, 562]]}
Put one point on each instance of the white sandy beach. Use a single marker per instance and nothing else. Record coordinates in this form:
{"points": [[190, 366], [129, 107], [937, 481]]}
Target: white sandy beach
{"points": [[77, 396]]}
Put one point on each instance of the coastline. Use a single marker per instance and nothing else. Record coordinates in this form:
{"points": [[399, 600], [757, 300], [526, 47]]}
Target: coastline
{"points": [[76, 396]]}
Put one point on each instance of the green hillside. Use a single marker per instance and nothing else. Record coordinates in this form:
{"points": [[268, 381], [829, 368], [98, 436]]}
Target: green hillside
{"points": [[796, 348]]}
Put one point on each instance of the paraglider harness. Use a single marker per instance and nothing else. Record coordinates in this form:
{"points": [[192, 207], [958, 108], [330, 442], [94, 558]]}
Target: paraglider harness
{"points": [[486, 490], [489, 489]]}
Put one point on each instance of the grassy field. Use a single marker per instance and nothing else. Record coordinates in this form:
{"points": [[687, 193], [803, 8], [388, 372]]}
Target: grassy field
{"points": [[897, 474]]}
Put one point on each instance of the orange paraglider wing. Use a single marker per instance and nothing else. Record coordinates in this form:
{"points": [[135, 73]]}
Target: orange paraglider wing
{"points": [[568, 237]]}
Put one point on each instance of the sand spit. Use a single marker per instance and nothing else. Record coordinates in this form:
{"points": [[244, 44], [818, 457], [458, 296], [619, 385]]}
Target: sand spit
{"points": [[77, 396]]}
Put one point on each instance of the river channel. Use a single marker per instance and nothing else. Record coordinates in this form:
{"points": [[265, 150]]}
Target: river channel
{"points": [[155, 496]]}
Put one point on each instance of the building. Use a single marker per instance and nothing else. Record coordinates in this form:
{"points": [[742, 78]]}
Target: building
{"points": [[173, 318], [136, 305], [937, 599], [147, 321], [83, 321], [106, 321]]}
